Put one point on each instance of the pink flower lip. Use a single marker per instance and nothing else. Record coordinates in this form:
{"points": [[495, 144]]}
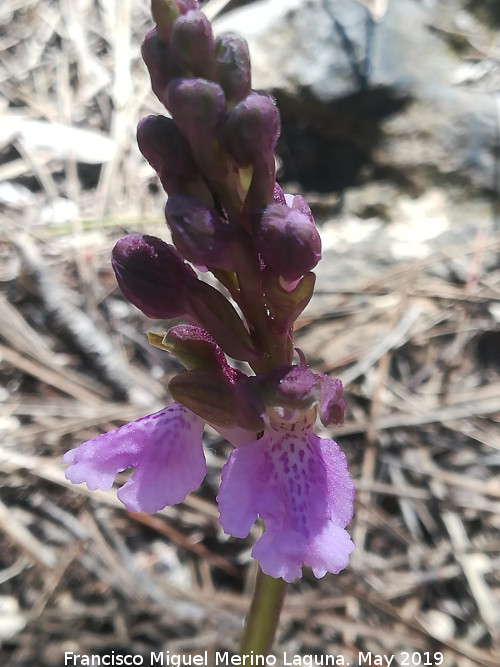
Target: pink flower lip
{"points": [[298, 484]]}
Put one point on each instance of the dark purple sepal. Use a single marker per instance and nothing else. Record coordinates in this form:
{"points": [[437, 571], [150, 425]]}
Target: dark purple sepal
{"points": [[232, 67], [298, 388], [155, 56], [251, 129], [152, 275], [330, 400], [166, 150], [292, 387], [199, 233], [288, 242], [191, 45]]}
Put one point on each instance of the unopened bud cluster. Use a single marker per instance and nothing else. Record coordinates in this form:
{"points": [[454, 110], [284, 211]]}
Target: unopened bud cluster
{"points": [[214, 156]]}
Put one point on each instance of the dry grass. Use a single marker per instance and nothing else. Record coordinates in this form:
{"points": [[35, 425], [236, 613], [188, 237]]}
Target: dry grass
{"points": [[419, 356]]}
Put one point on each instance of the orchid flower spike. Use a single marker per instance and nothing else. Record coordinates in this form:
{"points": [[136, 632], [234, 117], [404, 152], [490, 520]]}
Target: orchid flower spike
{"points": [[228, 217]]}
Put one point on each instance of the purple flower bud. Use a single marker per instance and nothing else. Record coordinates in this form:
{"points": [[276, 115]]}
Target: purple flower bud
{"points": [[232, 66], [288, 242], [199, 233], [152, 275], [192, 45], [154, 54], [166, 150], [165, 12], [186, 6], [196, 105], [252, 129]]}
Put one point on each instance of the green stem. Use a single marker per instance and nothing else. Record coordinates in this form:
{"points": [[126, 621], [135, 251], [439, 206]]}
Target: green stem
{"points": [[262, 620]]}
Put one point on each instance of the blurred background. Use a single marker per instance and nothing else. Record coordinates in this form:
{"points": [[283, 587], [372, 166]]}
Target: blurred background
{"points": [[391, 130]]}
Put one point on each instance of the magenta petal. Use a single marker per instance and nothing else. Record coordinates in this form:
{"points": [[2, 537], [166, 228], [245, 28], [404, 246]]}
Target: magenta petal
{"points": [[299, 485], [165, 449]]}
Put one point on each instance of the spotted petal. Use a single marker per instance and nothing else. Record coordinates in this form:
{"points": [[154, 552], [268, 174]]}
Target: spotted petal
{"points": [[299, 485], [165, 449]]}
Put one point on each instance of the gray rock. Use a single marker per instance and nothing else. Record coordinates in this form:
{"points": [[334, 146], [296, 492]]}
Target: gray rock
{"points": [[363, 99]]}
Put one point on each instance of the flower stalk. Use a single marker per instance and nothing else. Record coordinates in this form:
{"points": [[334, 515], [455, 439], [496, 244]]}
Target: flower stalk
{"points": [[263, 617]]}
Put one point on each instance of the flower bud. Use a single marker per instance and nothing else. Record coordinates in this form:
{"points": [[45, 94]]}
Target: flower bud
{"points": [[155, 56], [298, 388], [232, 67], [251, 129], [288, 242], [196, 105], [186, 6], [152, 275], [166, 150], [199, 233], [192, 45]]}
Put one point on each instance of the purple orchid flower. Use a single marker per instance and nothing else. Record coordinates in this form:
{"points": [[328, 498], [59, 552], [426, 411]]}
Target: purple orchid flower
{"points": [[299, 485], [295, 481]]}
